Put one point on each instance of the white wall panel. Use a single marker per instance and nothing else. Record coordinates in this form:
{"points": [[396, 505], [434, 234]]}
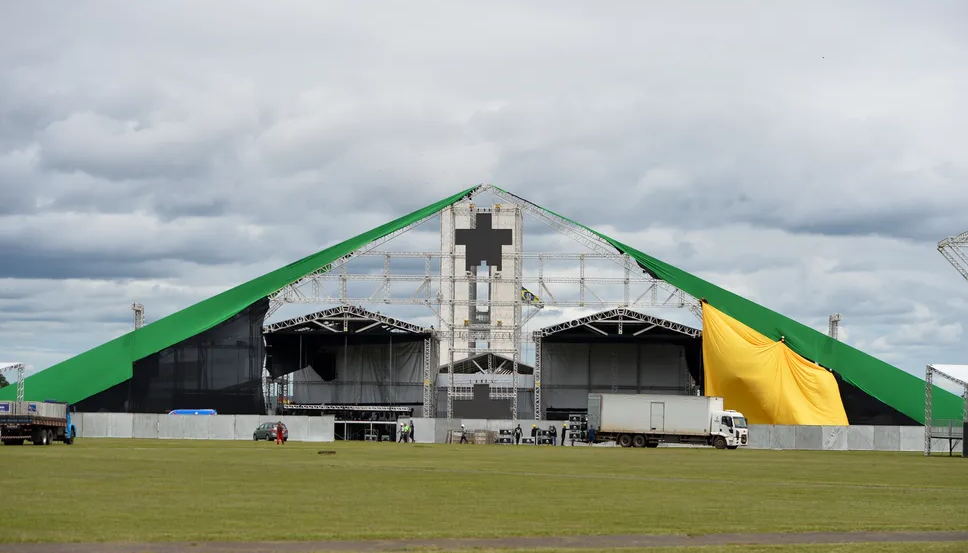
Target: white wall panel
{"points": [[221, 427], [860, 438], [145, 426], [835, 438]]}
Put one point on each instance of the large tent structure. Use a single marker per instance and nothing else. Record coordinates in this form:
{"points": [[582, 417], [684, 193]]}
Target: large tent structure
{"points": [[778, 370]]}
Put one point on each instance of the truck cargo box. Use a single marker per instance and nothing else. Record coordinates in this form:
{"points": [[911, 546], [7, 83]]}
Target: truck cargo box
{"points": [[652, 413]]}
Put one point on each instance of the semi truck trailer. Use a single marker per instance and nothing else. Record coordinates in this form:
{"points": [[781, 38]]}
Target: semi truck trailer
{"points": [[646, 420], [41, 422]]}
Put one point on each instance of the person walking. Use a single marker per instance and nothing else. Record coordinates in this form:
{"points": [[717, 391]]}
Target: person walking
{"points": [[280, 434], [517, 435], [534, 434], [402, 434], [564, 432], [411, 431], [463, 435]]}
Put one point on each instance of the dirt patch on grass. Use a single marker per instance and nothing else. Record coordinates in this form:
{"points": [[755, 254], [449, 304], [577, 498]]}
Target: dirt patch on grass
{"points": [[571, 542]]}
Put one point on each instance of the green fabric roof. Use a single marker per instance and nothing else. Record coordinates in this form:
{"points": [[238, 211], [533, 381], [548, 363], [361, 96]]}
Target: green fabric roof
{"points": [[110, 364], [897, 388]]}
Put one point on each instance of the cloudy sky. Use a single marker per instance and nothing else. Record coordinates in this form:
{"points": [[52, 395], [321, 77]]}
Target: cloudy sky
{"points": [[807, 157]]}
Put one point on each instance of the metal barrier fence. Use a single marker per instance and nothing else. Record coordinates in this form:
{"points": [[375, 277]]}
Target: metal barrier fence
{"points": [[198, 427], [321, 429]]}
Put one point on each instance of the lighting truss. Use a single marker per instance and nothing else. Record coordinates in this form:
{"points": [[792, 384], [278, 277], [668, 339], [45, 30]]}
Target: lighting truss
{"points": [[951, 433], [954, 250], [658, 294], [618, 317], [20, 368], [328, 318]]}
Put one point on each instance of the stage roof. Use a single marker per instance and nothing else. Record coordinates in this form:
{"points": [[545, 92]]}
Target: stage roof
{"points": [[345, 319], [617, 324], [112, 363]]}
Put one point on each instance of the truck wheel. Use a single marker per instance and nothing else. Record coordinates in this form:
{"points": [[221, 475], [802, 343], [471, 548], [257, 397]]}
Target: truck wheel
{"points": [[39, 436], [638, 440], [70, 439], [625, 440], [50, 437], [719, 442]]}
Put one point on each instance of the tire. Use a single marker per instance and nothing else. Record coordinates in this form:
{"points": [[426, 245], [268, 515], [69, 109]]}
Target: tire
{"points": [[39, 436], [638, 440], [50, 436], [255, 438], [719, 442], [268, 437], [625, 440]]}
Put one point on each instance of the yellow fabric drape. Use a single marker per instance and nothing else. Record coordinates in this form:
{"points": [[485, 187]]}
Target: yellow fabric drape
{"points": [[765, 380]]}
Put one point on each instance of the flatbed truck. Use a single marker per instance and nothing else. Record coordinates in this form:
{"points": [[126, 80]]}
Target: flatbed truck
{"points": [[646, 420], [41, 422]]}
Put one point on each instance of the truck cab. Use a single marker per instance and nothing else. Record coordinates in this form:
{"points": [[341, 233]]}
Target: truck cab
{"points": [[730, 425]]}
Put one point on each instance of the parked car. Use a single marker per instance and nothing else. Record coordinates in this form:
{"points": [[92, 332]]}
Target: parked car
{"points": [[267, 431]]}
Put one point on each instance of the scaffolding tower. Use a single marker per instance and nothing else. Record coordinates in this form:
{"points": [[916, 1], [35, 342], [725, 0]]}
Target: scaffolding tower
{"points": [[139, 315], [945, 429]]}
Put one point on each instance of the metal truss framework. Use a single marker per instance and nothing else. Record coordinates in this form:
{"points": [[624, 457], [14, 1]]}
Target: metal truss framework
{"points": [[950, 433], [337, 320], [618, 318], [20, 368], [658, 293], [954, 250]]}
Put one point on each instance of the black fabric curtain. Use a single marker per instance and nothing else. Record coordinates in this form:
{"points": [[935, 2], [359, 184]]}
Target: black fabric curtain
{"points": [[219, 369]]}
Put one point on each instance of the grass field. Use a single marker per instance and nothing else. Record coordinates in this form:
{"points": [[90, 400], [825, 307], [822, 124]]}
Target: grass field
{"points": [[146, 490]]}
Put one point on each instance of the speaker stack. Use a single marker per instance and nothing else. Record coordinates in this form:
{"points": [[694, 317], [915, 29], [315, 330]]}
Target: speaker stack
{"points": [[544, 437], [578, 427], [505, 437]]}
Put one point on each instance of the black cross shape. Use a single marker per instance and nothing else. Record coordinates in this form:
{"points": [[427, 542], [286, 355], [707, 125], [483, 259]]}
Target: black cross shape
{"points": [[483, 243]]}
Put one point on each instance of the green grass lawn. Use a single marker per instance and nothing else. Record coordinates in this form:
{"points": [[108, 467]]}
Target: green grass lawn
{"points": [[147, 490]]}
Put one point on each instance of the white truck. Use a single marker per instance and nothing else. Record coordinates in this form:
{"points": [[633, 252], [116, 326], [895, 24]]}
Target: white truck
{"points": [[646, 420]]}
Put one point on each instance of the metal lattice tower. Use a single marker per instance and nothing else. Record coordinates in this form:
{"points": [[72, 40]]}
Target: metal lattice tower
{"points": [[20, 368], [955, 250], [139, 315], [834, 329]]}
